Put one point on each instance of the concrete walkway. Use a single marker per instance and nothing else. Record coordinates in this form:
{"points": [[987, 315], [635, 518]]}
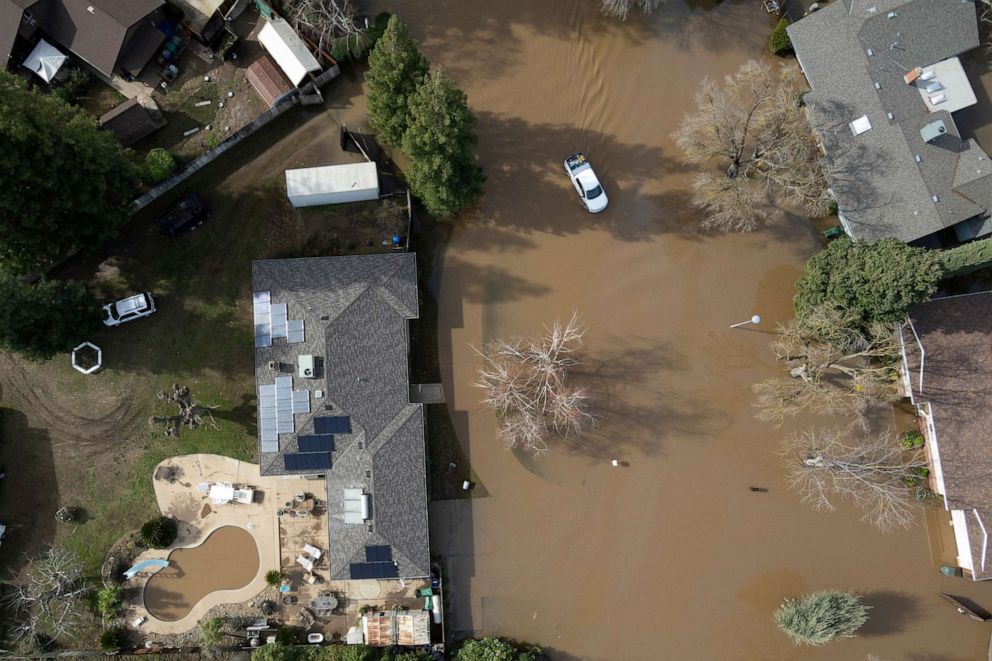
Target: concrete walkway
{"points": [[197, 517]]}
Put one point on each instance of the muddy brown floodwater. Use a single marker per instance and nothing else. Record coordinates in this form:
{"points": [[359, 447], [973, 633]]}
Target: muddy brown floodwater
{"points": [[672, 556], [226, 560]]}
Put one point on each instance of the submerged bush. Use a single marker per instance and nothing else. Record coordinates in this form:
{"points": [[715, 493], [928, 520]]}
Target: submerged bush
{"points": [[820, 617], [911, 440], [779, 42]]}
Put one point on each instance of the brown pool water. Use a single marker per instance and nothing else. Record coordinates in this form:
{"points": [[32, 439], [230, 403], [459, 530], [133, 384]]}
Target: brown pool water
{"points": [[226, 560], [671, 557]]}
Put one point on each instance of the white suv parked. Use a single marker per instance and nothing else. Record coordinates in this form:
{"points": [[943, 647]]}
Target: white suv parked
{"points": [[126, 309]]}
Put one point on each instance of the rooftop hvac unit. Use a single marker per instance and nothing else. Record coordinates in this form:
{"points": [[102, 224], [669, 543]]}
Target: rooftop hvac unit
{"points": [[938, 98], [307, 365], [933, 87], [928, 75]]}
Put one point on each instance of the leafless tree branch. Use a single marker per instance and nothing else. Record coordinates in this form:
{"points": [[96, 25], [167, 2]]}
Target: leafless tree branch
{"points": [[190, 413], [48, 600]]}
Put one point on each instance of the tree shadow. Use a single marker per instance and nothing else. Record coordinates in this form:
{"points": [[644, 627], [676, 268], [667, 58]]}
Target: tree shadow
{"points": [[891, 612], [632, 411]]}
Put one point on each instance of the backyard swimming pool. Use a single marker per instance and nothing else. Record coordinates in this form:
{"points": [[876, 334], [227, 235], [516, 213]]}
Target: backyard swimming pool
{"points": [[226, 560]]}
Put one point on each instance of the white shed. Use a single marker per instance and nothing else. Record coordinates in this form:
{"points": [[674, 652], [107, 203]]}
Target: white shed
{"points": [[332, 184], [288, 50]]}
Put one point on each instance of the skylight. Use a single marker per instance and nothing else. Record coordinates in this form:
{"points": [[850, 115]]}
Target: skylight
{"points": [[860, 125]]}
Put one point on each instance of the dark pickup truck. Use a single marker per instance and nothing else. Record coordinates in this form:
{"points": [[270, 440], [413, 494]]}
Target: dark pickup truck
{"points": [[184, 217]]}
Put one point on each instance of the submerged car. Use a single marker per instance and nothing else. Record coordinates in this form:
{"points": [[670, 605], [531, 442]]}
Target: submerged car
{"points": [[184, 217], [128, 309], [586, 183]]}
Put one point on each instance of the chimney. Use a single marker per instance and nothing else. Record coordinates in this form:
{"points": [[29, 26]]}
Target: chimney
{"points": [[912, 75]]}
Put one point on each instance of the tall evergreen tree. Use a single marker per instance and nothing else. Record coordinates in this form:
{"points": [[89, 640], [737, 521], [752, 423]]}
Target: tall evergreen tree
{"points": [[396, 68], [440, 144], [42, 319], [65, 182]]}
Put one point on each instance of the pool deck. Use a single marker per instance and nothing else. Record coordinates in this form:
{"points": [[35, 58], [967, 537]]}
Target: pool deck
{"points": [[198, 518]]}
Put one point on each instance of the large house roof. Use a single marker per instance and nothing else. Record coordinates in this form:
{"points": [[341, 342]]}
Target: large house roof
{"points": [[94, 30], [956, 335], [353, 312], [855, 56], [11, 12]]}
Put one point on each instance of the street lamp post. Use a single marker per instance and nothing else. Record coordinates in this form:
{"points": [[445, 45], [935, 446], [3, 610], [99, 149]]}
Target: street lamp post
{"points": [[753, 320]]}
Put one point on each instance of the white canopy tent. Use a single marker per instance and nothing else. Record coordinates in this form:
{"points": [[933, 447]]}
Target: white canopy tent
{"points": [[45, 60], [288, 50]]}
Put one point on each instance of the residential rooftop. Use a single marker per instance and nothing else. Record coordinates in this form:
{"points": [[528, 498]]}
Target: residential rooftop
{"points": [[884, 81], [955, 386], [350, 419]]}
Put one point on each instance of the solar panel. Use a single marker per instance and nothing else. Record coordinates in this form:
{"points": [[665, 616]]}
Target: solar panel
{"points": [[305, 461], [301, 401], [332, 425], [361, 570], [263, 318], [280, 314], [317, 443], [378, 554], [294, 331]]}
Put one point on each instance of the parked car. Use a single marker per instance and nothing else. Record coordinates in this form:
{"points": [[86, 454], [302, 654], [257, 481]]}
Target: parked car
{"points": [[586, 183], [184, 217], [127, 309]]}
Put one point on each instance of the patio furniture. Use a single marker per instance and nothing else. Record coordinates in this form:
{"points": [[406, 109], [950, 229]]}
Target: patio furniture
{"points": [[221, 494], [305, 562], [307, 618], [312, 551], [289, 600], [244, 495], [300, 497], [312, 578], [138, 621], [324, 601], [203, 487]]}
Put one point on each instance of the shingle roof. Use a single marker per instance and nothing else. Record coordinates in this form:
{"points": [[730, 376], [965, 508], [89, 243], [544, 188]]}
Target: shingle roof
{"points": [[956, 335], [880, 186], [95, 36], [129, 122], [355, 312], [10, 21], [267, 79]]}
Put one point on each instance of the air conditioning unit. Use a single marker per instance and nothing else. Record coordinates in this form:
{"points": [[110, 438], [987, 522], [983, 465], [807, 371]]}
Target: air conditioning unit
{"points": [[308, 367]]}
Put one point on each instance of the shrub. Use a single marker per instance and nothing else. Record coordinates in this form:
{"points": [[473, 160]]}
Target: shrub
{"points": [[109, 601], [113, 639], [967, 258], [496, 649], [922, 471], [42, 319], [779, 42], [287, 636], [212, 631], [822, 616], [158, 165], [273, 578], [160, 532], [912, 439], [73, 87]]}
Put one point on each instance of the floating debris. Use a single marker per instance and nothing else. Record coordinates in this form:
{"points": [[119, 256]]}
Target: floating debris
{"points": [[200, 104], [190, 132]]}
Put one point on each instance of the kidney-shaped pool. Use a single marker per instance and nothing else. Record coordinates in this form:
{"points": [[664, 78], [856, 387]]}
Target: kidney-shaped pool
{"points": [[226, 560]]}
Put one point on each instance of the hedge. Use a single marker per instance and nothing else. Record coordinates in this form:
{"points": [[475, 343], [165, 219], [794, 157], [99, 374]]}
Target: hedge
{"points": [[967, 258]]}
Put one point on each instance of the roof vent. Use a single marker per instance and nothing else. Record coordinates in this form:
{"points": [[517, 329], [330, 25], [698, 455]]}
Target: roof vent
{"points": [[871, 52], [91, 10], [860, 125], [892, 14], [918, 158], [890, 115], [935, 86], [878, 85], [935, 198], [933, 130], [929, 74]]}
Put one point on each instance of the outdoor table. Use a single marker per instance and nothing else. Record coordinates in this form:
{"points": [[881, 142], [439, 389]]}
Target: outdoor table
{"points": [[324, 602]]}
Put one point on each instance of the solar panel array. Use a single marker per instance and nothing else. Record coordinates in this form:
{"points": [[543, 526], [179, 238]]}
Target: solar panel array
{"points": [[378, 554], [307, 461], [272, 321], [316, 443], [374, 570], [332, 425], [277, 402]]}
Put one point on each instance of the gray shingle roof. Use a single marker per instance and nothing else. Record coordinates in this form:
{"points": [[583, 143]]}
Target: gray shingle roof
{"points": [[880, 186], [355, 311]]}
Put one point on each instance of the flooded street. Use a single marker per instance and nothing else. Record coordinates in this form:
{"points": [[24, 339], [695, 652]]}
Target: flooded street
{"points": [[671, 556]]}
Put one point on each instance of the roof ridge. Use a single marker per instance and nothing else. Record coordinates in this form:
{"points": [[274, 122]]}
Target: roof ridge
{"points": [[394, 426]]}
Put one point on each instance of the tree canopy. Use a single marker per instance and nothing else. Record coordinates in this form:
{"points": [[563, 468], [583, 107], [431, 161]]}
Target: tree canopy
{"points": [[396, 68], [820, 617], [41, 319], [495, 649], [440, 143], [876, 281], [65, 183]]}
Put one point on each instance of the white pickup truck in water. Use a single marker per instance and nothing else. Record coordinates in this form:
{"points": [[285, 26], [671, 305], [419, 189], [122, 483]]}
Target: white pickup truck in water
{"points": [[585, 182]]}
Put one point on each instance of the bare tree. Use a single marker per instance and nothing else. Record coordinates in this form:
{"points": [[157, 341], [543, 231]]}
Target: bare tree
{"points": [[620, 9], [753, 126], [835, 368], [49, 599], [190, 413], [874, 472], [323, 21], [526, 382]]}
